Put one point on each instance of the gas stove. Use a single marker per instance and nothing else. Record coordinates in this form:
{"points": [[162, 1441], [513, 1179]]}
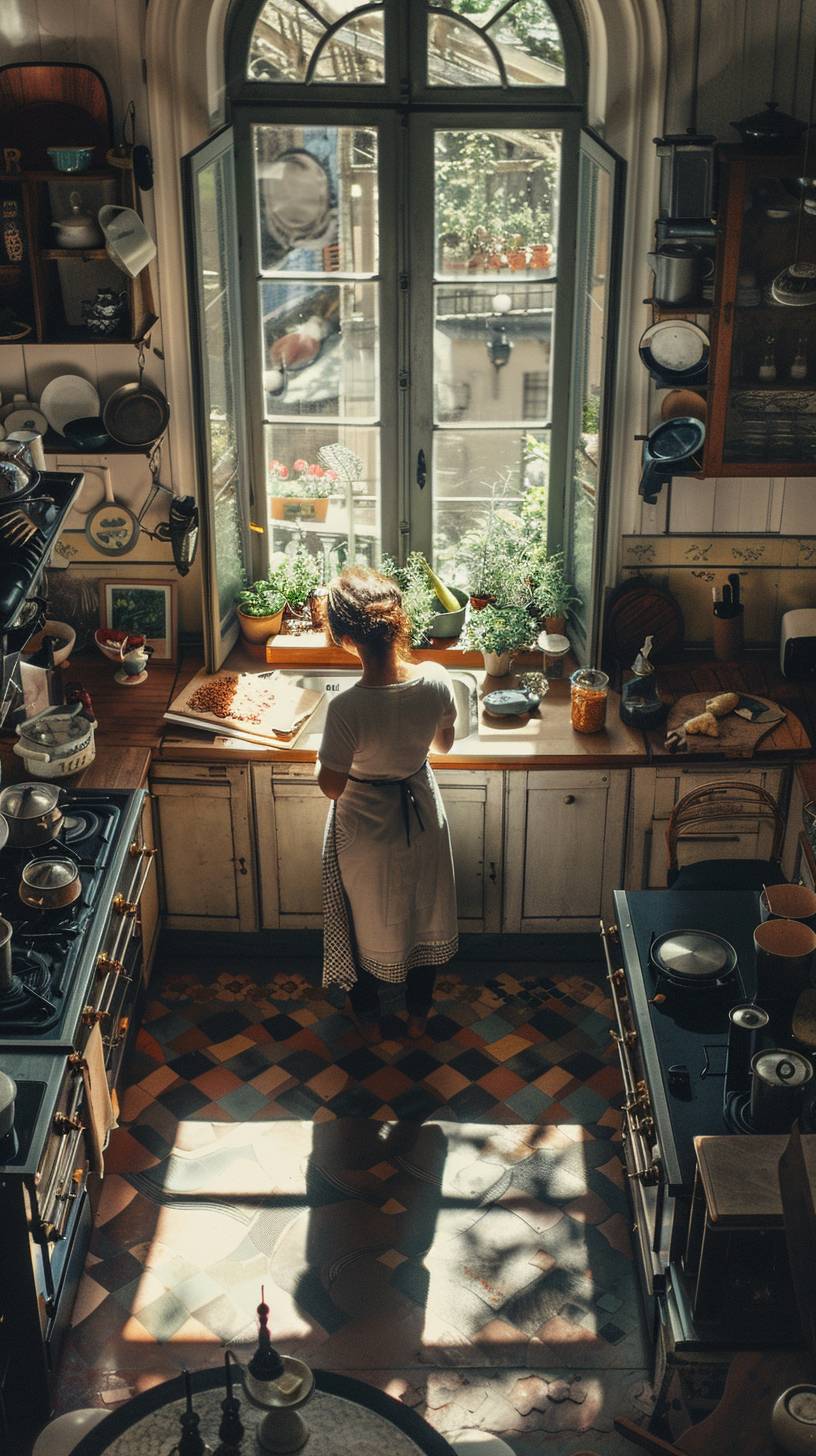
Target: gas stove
{"points": [[52, 950]]}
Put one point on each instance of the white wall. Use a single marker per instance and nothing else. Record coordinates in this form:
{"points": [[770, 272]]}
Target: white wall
{"points": [[110, 36]]}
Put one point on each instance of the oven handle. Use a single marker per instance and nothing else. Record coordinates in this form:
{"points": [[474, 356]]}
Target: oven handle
{"points": [[130, 907], [63, 1160], [646, 1166]]}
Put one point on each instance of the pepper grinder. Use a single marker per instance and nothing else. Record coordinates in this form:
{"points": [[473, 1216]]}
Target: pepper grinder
{"points": [[279, 1385]]}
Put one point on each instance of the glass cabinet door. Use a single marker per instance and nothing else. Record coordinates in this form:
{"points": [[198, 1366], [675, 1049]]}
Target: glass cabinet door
{"points": [[771, 410], [216, 331]]}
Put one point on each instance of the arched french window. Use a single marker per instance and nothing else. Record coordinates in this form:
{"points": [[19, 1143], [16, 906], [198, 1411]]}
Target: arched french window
{"points": [[414, 238]]}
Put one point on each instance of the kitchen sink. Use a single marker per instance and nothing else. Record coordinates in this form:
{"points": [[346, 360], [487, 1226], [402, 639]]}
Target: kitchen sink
{"points": [[334, 681]]}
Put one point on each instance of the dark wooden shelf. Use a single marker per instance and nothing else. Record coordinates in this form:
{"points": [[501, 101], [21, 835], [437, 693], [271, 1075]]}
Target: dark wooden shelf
{"points": [[678, 310], [749, 386], [50, 174], [85, 255]]}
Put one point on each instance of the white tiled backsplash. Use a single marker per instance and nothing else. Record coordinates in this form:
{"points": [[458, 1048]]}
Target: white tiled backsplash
{"points": [[776, 574]]}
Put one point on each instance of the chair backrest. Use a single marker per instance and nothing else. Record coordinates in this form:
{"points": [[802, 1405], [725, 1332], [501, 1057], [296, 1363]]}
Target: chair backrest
{"points": [[699, 812]]}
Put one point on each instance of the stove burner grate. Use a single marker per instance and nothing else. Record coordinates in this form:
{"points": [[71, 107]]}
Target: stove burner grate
{"points": [[78, 825], [26, 998]]}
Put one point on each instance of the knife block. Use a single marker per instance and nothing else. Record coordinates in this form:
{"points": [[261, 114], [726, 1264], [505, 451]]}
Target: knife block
{"points": [[728, 637]]}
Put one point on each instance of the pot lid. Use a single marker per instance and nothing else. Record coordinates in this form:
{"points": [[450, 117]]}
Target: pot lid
{"points": [[28, 801], [8, 1091], [749, 1017], [778, 1068], [694, 955], [770, 124], [76, 217], [50, 874]]}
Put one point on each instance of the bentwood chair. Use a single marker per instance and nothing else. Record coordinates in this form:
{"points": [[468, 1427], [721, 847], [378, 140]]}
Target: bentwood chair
{"points": [[726, 812]]}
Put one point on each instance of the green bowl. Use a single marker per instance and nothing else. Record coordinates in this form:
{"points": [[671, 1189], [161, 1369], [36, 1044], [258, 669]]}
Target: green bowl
{"points": [[70, 159], [449, 624]]}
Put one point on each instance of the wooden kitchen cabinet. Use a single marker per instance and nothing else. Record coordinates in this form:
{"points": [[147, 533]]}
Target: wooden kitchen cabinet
{"points": [[290, 815], [206, 836], [564, 848], [655, 791]]}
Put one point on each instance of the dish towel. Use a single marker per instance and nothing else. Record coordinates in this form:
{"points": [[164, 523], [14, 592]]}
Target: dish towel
{"points": [[100, 1116]]}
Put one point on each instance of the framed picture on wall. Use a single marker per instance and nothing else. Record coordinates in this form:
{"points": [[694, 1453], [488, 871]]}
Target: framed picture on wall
{"points": [[146, 608]]}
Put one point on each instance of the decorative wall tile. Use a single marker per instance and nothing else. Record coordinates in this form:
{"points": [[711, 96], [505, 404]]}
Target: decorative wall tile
{"points": [[645, 551], [725, 551], [807, 551]]}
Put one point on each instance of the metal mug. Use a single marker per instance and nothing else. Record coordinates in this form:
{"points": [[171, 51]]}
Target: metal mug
{"points": [[788, 902], [676, 268], [779, 1081], [32, 442]]}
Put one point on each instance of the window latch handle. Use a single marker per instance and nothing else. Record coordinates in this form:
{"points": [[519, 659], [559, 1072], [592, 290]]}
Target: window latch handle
{"points": [[421, 470]]}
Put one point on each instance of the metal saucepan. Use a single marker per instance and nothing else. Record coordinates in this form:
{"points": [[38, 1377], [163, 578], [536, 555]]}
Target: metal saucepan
{"points": [[137, 414], [32, 814], [693, 958], [779, 1081], [48, 884]]}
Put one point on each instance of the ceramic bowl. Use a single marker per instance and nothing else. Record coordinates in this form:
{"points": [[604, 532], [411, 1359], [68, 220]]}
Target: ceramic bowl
{"points": [[110, 639], [67, 637], [449, 624], [70, 159]]}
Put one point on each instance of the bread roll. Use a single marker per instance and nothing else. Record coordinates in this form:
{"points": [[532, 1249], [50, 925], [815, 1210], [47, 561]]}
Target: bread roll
{"points": [[704, 723], [722, 704]]}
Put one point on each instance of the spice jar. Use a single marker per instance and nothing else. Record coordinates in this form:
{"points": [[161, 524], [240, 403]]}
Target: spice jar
{"points": [[590, 690]]}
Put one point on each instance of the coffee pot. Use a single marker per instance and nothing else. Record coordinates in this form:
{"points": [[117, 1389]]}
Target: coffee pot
{"points": [[676, 269]]}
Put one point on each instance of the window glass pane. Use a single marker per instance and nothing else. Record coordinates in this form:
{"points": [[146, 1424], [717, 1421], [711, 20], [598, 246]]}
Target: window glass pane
{"points": [[220, 350], [588, 376], [325, 495], [490, 341], [317, 199], [474, 470], [320, 342], [288, 33], [496, 195], [525, 36], [355, 55]]}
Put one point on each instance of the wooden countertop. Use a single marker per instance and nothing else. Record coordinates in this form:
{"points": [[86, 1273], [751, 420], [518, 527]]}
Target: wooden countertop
{"points": [[132, 728]]}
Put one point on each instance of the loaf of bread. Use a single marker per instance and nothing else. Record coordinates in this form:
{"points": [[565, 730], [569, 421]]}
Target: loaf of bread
{"points": [[722, 704], [704, 723]]}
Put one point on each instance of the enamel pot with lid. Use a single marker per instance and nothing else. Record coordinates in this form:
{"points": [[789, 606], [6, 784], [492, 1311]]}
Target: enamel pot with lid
{"points": [[32, 813], [779, 1080], [50, 883]]}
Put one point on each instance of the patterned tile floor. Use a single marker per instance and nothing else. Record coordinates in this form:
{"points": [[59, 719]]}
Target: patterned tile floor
{"points": [[445, 1218]]}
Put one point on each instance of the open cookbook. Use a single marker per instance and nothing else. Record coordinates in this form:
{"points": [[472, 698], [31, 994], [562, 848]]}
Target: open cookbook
{"points": [[260, 707]]}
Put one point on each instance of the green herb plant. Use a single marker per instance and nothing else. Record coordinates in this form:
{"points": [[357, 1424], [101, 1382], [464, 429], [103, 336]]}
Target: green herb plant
{"points": [[418, 597], [260, 600], [553, 595], [499, 630]]}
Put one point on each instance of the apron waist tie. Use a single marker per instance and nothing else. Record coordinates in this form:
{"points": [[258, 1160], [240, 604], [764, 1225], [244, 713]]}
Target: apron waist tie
{"points": [[408, 799]]}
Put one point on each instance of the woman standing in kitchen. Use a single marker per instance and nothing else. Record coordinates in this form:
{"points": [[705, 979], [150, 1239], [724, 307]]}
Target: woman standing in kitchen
{"points": [[389, 900]]}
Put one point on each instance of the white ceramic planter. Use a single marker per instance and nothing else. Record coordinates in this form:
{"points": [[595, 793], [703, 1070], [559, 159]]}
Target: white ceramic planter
{"points": [[497, 664]]}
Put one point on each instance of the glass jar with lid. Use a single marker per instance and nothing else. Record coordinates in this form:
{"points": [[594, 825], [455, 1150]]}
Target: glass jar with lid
{"points": [[589, 695]]}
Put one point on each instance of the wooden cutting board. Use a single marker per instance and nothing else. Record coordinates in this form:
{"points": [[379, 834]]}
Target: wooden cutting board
{"points": [[638, 607], [738, 738]]}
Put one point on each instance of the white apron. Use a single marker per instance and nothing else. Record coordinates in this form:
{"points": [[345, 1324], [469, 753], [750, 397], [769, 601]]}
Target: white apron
{"points": [[389, 898]]}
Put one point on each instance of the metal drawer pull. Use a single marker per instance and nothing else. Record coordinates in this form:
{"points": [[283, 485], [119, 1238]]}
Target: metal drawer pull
{"points": [[638, 1129]]}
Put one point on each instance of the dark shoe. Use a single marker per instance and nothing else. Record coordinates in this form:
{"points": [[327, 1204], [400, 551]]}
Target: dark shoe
{"points": [[368, 1027], [417, 1025]]}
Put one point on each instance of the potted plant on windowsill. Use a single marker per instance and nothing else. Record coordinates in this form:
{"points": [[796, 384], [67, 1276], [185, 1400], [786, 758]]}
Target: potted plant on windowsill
{"points": [[295, 577], [498, 633], [553, 595], [260, 611], [491, 560], [302, 494]]}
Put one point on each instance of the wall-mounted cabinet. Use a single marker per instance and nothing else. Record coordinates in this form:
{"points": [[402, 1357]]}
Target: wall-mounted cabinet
{"points": [[762, 373]]}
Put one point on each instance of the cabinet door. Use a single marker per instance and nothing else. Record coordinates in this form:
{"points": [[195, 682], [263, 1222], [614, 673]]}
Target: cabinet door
{"points": [[204, 826], [291, 817], [474, 811], [570, 828]]}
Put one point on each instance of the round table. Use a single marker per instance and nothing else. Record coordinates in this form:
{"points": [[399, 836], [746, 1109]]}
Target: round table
{"points": [[344, 1415]]}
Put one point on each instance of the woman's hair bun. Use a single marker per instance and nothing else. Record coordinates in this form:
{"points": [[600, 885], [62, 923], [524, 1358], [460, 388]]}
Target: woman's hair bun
{"points": [[366, 606]]}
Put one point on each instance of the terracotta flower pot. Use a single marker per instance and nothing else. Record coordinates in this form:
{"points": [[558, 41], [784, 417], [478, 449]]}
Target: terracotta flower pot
{"points": [[257, 629], [479, 603], [556, 625], [497, 664], [517, 258], [540, 255], [298, 508]]}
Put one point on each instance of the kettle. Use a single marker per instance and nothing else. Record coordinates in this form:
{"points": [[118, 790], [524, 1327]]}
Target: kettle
{"points": [[79, 229], [676, 270]]}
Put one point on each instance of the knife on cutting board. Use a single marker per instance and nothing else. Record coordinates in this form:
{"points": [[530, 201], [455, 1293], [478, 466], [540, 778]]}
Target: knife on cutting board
{"points": [[755, 711]]}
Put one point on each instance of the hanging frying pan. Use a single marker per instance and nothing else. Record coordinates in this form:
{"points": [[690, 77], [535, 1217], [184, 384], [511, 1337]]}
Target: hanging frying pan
{"points": [[674, 447], [111, 528], [137, 414]]}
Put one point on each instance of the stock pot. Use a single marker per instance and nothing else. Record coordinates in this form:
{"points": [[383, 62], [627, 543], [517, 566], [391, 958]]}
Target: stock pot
{"points": [[32, 814]]}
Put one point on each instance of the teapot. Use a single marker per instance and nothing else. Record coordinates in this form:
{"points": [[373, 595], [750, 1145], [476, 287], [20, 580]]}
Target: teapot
{"points": [[79, 229]]}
